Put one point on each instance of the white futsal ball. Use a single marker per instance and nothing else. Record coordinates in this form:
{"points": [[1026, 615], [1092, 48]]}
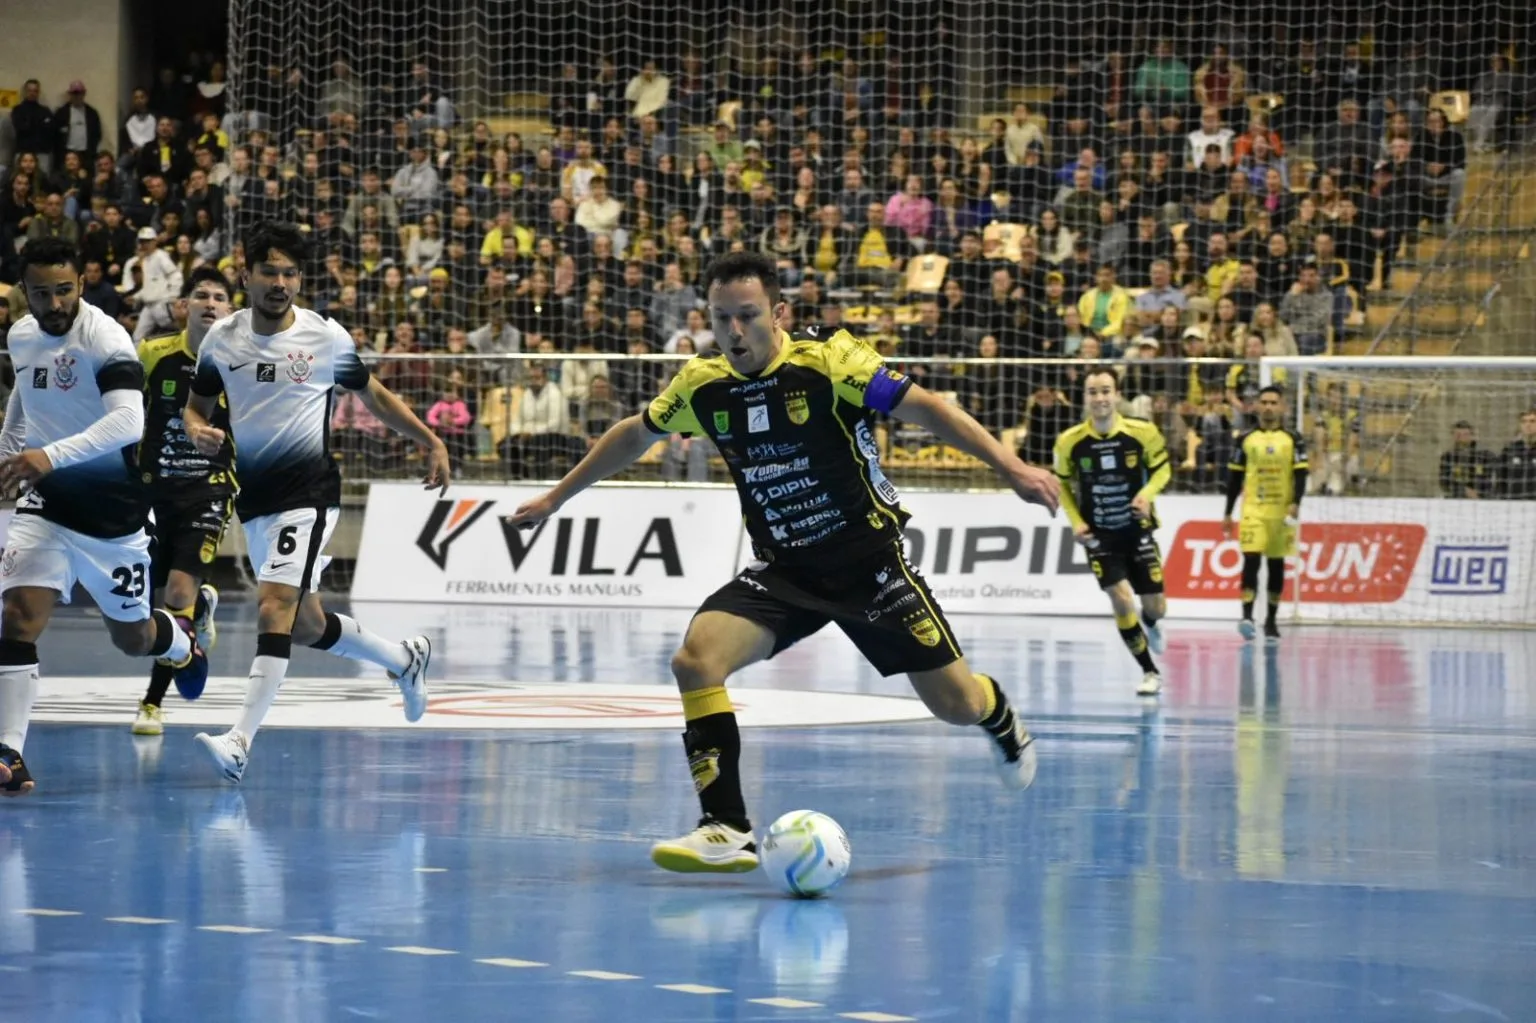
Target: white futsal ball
{"points": [[806, 853]]}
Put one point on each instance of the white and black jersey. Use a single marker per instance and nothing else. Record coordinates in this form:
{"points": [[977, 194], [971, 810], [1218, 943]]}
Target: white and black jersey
{"points": [[59, 384], [280, 390]]}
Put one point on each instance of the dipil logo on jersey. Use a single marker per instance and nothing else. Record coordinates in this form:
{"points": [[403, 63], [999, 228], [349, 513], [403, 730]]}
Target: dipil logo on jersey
{"points": [[450, 520], [1338, 562]]}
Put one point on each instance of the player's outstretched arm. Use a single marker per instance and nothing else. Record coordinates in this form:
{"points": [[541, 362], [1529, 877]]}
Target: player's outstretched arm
{"points": [[956, 428], [614, 451], [397, 415]]}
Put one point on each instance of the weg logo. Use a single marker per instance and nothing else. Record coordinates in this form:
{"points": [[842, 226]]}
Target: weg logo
{"points": [[1469, 570]]}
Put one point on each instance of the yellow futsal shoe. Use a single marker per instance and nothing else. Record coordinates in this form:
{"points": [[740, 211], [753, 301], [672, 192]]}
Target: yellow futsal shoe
{"points": [[150, 720]]}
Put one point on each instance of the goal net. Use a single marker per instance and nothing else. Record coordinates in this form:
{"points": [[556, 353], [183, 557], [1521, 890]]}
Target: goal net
{"points": [[1422, 489]]}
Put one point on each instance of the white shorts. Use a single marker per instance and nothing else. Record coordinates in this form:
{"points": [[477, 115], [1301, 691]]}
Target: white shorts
{"points": [[114, 572], [288, 547]]}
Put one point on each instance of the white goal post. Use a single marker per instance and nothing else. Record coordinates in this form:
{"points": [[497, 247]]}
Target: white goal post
{"points": [[1422, 492]]}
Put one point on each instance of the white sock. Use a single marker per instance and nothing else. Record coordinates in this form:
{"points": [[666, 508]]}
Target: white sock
{"points": [[181, 643], [18, 691], [358, 644], [260, 690]]}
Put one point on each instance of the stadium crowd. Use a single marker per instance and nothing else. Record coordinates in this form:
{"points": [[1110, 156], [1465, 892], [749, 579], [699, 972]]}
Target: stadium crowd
{"points": [[1153, 208]]}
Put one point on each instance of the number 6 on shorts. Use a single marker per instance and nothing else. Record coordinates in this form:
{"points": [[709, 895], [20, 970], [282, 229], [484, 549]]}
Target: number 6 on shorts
{"points": [[288, 547]]}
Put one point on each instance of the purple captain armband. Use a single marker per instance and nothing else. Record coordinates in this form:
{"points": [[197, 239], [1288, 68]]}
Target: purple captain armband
{"points": [[886, 389]]}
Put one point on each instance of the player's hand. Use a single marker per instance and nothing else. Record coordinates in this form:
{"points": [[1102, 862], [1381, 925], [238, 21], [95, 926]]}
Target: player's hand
{"points": [[1083, 534], [207, 439], [24, 469], [1037, 486], [439, 469], [1226, 527], [532, 512], [1141, 506], [1292, 511]]}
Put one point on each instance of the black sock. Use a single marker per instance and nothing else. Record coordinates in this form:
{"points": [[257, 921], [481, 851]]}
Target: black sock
{"points": [[1250, 583], [160, 676], [713, 745], [1135, 641], [1275, 584], [999, 724]]}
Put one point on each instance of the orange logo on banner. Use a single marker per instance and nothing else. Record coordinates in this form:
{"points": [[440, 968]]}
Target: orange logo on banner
{"points": [[1339, 563]]}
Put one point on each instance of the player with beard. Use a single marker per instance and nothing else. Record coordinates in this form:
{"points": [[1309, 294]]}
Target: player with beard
{"points": [[793, 418], [278, 366], [192, 494], [72, 426]]}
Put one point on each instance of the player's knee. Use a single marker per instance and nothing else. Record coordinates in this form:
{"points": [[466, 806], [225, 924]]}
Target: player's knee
{"points": [[695, 671], [1122, 599], [132, 638], [20, 623], [276, 612]]}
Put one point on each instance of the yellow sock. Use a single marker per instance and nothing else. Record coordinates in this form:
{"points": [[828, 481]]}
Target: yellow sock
{"points": [[701, 703], [989, 696], [1128, 620], [182, 612]]}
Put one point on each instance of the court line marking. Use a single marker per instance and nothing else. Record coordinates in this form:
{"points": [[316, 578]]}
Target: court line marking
{"points": [[235, 929], [431, 870], [421, 950]]}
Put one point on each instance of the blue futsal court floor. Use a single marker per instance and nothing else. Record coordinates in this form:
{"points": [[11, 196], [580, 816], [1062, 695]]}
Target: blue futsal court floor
{"points": [[1338, 829]]}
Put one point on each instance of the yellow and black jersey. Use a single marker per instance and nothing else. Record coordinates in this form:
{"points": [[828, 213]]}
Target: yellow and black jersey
{"points": [[1101, 473], [166, 455], [1269, 468], [799, 442]]}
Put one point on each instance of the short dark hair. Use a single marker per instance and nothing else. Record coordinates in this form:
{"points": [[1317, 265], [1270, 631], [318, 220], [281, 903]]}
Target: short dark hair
{"points": [[1101, 370], [271, 236], [1275, 389], [49, 252], [206, 274], [741, 266]]}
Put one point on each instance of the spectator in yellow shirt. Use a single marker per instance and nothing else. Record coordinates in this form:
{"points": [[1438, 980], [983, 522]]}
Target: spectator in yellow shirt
{"points": [[1103, 308], [1220, 267]]}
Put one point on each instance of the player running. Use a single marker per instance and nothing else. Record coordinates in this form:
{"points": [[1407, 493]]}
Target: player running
{"points": [[71, 427], [192, 493], [1112, 468], [793, 418], [1269, 468], [277, 366]]}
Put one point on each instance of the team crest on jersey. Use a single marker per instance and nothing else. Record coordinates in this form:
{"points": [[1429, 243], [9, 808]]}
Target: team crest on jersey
{"points": [[722, 422], [1130, 459], [925, 631], [798, 407], [64, 372], [300, 365], [8, 563]]}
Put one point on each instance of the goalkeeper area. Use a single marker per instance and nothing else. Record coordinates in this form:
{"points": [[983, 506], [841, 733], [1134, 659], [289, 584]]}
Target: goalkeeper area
{"points": [[511, 207]]}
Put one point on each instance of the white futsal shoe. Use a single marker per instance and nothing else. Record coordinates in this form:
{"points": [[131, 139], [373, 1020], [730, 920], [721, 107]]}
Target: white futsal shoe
{"points": [[203, 625], [1017, 761], [1151, 684], [150, 721], [413, 684], [230, 752], [710, 848]]}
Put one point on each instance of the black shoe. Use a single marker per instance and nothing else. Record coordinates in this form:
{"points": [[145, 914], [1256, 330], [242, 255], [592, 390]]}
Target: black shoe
{"points": [[15, 779], [1271, 632]]}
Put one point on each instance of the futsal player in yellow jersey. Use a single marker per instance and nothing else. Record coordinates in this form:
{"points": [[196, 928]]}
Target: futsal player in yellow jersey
{"points": [[1111, 469], [1269, 470]]}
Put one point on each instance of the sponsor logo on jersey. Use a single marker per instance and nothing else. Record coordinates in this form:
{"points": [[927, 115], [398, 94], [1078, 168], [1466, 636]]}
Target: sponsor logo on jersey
{"points": [[300, 365], [773, 470], [757, 418], [854, 382], [798, 407], [64, 372], [1338, 562], [40, 378], [266, 372], [673, 407], [757, 452]]}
